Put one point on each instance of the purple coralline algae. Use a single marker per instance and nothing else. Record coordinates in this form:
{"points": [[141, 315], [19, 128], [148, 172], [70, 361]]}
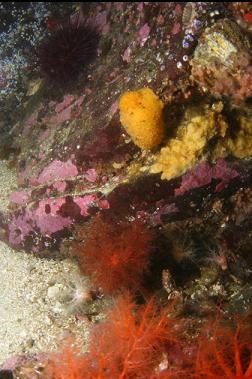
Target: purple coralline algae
{"points": [[57, 170], [203, 174]]}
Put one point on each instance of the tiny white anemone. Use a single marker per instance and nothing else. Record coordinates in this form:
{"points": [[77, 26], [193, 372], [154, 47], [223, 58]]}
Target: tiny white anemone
{"points": [[77, 296], [190, 252]]}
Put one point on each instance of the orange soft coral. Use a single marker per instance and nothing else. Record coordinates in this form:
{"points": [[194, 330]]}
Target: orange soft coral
{"points": [[146, 342], [133, 338], [69, 364], [226, 353], [129, 344], [115, 255], [221, 351]]}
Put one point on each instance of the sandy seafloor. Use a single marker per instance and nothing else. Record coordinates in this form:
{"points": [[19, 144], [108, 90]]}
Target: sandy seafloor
{"points": [[32, 315]]}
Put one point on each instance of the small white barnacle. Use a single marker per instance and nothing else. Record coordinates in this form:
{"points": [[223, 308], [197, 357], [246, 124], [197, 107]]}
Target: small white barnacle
{"points": [[179, 64]]}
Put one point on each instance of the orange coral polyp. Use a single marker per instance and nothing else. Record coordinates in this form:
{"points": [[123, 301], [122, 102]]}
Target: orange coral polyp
{"points": [[114, 260]]}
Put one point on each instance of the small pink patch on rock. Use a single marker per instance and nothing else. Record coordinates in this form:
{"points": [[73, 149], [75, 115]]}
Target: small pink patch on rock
{"points": [[68, 99], [114, 108], [61, 117], [119, 5], [52, 104], [24, 176], [101, 19], [85, 202], [42, 155], [126, 57], [30, 122], [88, 91], [105, 179], [199, 176], [155, 218], [57, 170], [44, 136], [143, 34], [223, 172], [103, 204], [125, 30], [154, 42], [76, 112], [178, 10], [47, 218], [140, 6], [19, 228], [202, 174], [19, 197], [176, 28], [105, 29], [65, 111], [60, 186], [80, 101], [91, 175], [32, 119]]}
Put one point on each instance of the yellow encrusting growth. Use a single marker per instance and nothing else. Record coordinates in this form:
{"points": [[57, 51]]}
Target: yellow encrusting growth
{"points": [[141, 114], [181, 153], [241, 145]]}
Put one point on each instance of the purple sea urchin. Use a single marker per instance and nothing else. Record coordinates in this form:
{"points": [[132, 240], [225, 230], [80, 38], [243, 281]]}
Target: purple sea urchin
{"points": [[68, 49]]}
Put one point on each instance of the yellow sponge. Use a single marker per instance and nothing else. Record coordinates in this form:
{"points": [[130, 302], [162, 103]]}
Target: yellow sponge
{"points": [[181, 153], [141, 114]]}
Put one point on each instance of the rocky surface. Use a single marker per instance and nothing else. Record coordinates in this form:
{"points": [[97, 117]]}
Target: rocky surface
{"points": [[74, 159]]}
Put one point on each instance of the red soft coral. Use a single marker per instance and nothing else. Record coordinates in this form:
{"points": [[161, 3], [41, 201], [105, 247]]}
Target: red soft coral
{"points": [[129, 344], [225, 352], [69, 364], [221, 351], [115, 255], [133, 339]]}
